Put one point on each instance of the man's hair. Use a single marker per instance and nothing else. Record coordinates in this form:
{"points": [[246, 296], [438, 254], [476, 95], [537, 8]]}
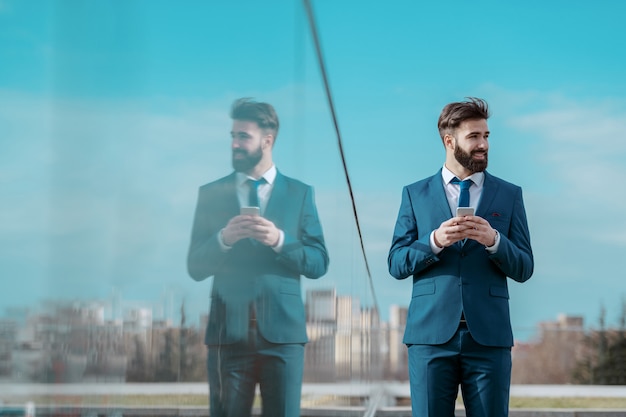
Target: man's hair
{"points": [[454, 114], [253, 111]]}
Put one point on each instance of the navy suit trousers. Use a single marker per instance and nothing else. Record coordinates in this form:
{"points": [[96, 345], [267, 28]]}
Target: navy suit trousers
{"points": [[483, 372], [235, 369]]}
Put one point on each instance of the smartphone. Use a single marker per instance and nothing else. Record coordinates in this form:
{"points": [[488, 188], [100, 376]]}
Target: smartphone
{"points": [[251, 211], [464, 211]]}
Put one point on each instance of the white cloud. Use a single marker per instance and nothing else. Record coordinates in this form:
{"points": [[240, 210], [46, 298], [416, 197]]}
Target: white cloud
{"points": [[581, 145]]}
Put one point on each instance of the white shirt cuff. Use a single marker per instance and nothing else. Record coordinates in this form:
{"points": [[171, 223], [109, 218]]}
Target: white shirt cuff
{"points": [[496, 244], [281, 242], [223, 245], [433, 246]]}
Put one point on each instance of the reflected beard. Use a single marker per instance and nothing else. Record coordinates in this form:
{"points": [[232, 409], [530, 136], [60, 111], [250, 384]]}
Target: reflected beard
{"points": [[249, 161], [469, 163]]}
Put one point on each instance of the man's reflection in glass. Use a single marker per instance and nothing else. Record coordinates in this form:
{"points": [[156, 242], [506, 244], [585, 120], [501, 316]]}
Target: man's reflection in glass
{"points": [[256, 231]]}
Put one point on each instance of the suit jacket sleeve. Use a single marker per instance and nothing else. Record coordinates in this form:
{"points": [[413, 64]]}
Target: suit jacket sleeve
{"points": [[514, 256], [410, 250], [304, 252], [206, 257]]}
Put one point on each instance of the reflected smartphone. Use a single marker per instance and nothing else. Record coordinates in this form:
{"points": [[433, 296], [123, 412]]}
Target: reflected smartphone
{"points": [[464, 211], [250, 211]]}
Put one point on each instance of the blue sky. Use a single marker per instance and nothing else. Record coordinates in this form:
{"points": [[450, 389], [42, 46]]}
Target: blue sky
{"points": [[112, 113]]}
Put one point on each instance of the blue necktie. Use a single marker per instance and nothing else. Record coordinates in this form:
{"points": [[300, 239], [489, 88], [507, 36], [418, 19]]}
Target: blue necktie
{"points": [[464, 198], [463, 195], [253, 196]]}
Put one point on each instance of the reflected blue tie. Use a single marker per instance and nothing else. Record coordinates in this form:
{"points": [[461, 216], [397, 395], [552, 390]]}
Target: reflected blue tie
{"points": [[253, 196], [465, 185]]}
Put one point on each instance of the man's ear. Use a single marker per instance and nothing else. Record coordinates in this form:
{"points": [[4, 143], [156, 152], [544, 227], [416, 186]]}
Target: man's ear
{"points": [[448, 141], [268, 141]]}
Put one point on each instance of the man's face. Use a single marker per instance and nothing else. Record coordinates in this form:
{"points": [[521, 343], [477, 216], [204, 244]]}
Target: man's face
{"points": [[246, 145], [471, 145]]}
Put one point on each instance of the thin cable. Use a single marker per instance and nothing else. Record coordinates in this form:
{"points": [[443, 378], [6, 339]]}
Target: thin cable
{"points": [[320, 60]]}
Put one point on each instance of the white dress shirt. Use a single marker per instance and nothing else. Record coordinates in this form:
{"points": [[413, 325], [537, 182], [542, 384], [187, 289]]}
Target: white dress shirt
{"points": [[452, 194]]}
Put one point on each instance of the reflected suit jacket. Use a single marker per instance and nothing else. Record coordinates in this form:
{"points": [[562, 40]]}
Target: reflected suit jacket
{"points": [[251, 274], [463, 277]]}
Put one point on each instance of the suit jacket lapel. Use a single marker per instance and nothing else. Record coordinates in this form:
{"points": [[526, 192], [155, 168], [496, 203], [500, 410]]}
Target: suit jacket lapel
{"points": [[277, 198], [230, 200], [438, 195], [489, 193]]}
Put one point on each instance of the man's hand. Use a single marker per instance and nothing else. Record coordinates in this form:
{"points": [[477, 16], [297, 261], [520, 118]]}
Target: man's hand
{"points": [[466, 227], [254, 227], [264, 231], [479, 230]]}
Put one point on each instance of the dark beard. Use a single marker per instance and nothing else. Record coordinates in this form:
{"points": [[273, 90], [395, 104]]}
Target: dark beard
{"points": [[250, 161], [467, 162]]}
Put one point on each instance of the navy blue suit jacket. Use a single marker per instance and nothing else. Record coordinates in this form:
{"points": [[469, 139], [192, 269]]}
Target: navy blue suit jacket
{"points": [[251, 273], [462, 278]]}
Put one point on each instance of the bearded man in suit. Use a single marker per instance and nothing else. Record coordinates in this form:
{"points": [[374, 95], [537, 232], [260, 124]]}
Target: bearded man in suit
{"points": [[256, 330], [458, 329]]}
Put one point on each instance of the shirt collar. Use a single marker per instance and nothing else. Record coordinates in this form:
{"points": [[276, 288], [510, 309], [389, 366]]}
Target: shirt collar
{"points": [[269, 175], [477, 177]]}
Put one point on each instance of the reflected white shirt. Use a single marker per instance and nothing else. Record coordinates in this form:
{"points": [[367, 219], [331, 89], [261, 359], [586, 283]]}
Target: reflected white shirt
{"points": [[264, 191]]}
